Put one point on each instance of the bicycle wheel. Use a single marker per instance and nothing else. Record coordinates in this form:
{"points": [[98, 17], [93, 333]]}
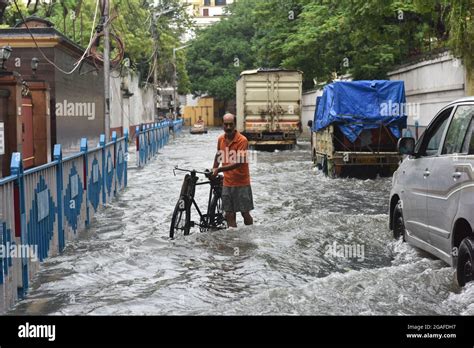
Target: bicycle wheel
{"points": [[216, 214], [181, 220]]}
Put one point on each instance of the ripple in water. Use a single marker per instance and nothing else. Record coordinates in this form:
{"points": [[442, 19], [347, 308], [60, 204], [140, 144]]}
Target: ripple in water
{"points": [[287, 263]]}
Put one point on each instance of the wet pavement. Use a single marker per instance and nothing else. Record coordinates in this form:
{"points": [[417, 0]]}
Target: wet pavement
{"points": [[319, 246]]}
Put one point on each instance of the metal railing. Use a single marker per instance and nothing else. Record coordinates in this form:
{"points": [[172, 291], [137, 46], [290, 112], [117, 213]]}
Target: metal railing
{"points": [[152, 137], [43, 208]]}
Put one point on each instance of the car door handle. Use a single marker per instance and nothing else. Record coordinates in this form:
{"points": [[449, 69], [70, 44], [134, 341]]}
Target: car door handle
{"points": [[426, 173], [457, 175]]}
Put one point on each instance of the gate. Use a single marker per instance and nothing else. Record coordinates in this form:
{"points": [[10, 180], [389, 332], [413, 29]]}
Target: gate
{"points": [[27, 132]]}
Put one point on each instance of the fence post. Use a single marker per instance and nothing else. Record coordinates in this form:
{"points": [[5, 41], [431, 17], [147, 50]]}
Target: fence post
{"points": [[85, 174], [148, 143], [16, 168], [102, 145], [58, 156], [155, 138], [126, 158], [160, 134], [137, 139], [114, 139], [147, 137]]}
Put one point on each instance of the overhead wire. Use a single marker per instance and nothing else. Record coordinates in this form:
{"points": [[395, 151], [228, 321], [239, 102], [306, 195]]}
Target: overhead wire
{"points": [[78, 63]]}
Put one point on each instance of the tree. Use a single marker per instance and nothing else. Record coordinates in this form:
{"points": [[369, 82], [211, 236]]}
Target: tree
{"points": [[461, 25], [131, 20], [221, 52], [324, 38]]}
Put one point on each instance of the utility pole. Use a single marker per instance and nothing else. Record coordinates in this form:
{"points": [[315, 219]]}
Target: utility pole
{"points": [[156, 37], [105, 19]]}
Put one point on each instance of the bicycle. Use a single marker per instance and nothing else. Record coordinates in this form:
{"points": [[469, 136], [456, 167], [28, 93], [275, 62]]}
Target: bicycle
{"points": [[213, 219]]}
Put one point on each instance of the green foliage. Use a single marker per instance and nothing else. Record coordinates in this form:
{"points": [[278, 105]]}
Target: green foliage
{"points": [[132, 21], [221, 52], [324, 38], [461, 24]]}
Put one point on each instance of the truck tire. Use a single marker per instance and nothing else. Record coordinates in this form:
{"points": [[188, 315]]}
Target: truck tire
{"points": [[324, 166]]}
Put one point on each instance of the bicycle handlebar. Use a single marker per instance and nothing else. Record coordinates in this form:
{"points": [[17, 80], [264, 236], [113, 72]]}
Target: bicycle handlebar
{"points": [[206, 173]]}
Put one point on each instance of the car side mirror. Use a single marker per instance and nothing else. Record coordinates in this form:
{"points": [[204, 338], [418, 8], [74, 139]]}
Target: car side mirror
{"points": [[406, 146], [310, 123]]}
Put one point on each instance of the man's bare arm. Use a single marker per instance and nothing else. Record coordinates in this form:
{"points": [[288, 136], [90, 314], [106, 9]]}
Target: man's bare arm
{"points": [[229, 167]]}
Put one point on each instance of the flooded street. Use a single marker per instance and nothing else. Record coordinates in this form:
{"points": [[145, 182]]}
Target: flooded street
{"points": [[286, 264]]}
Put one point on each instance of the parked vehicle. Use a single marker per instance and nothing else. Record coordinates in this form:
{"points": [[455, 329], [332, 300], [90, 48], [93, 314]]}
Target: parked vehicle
{"points": [[269, 107], [198, 128], [356, 128], [432, 197]]}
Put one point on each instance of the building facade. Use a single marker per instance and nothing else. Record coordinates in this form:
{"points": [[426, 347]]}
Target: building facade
{"points": [[206, 12]]}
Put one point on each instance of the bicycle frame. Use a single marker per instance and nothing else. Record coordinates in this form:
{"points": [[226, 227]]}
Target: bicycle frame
{"points": [[215, 191]]}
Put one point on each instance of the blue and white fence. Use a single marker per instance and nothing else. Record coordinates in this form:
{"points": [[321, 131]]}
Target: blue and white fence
{"points": [[151, 138], [43, 208]]}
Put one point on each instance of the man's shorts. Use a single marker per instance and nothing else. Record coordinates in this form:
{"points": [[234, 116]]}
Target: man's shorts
{"points": [[237, 199]]}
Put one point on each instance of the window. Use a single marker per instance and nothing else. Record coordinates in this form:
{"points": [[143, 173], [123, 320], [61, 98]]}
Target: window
{"points": [[432, 136], [220, 2], [207, 2], [205, 12], [457, 131]]}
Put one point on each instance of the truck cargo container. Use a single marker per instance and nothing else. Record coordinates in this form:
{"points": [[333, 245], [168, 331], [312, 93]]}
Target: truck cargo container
{"points": [[269, 107], [356, 128]]}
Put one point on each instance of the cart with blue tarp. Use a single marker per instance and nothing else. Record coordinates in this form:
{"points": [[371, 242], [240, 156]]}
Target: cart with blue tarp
{"points": [[356, 128]]}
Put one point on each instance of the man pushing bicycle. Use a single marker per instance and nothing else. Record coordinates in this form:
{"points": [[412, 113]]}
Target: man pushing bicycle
{"points": [[232, 153]]}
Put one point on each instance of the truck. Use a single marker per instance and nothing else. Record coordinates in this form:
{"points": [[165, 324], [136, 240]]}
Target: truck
{"points": [[356, 128], [269, 107]]}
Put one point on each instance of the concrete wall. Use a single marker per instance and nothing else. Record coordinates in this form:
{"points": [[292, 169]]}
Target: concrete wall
{"points": [[127, 110], [78, 104], [431, 84]]}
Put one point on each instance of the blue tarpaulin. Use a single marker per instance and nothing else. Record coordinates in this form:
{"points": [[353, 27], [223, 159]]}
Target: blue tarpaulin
{"points": [[357, 105]]}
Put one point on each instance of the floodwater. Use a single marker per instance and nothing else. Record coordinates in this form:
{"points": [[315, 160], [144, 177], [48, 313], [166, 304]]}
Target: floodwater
{"points": [[318, 247]]}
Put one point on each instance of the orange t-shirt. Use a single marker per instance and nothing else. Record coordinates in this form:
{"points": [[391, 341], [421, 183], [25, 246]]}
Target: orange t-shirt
{"points": [[234, 152]]}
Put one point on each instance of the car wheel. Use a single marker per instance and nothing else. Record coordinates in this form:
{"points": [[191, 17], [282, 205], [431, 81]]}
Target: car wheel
{"points": [[465, 265], [398, 222]]}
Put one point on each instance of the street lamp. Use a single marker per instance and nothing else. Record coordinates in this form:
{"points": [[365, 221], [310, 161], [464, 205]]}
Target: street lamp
{"points": [[5, 52], [175, 80]]}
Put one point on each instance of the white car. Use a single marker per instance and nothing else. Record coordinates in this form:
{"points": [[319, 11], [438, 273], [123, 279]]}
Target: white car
{"points": [[432, 197]]}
